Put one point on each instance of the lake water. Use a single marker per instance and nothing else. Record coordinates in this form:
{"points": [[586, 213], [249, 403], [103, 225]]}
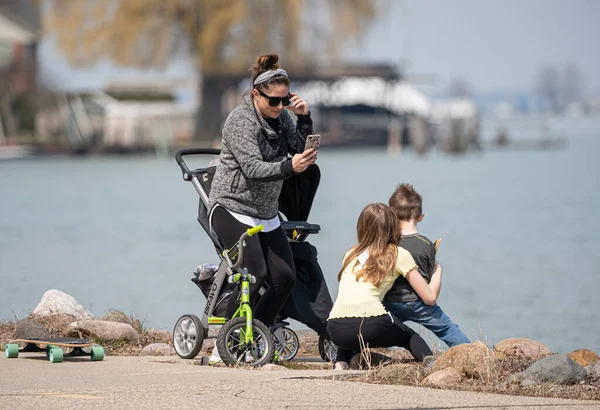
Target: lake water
{"points": [[521, 255]]}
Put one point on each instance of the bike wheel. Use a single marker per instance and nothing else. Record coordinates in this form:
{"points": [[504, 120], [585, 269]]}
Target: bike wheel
{"points": [[327, 349], [233, 348], [188, 336], [287, 343]]}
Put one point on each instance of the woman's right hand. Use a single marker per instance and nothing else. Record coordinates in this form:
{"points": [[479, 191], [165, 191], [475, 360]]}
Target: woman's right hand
{"points": [[301, 161]]}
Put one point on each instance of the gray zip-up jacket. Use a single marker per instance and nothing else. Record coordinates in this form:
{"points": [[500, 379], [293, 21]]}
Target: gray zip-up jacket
{"points": [[254, 160]]}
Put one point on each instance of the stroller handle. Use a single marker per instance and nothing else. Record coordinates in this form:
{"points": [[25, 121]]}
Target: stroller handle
{"points": [[187, 176]]}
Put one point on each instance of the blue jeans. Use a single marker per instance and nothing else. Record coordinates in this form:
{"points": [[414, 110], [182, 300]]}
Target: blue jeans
{"points": [[431, 317]]}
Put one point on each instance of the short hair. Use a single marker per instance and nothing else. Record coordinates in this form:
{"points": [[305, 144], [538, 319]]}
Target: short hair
{"points": [[406, 202]]}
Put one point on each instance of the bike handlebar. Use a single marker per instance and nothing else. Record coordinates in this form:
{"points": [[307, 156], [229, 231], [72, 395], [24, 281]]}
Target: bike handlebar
{"points": [[240, 256], [255, 230]]}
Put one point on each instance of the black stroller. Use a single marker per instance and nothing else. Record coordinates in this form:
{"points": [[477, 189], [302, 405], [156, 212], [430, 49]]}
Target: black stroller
{"points": [[310, 301]]}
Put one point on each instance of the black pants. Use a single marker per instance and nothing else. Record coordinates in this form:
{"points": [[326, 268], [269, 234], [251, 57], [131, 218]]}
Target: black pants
{"points": [[377, 331], [267, 253]]}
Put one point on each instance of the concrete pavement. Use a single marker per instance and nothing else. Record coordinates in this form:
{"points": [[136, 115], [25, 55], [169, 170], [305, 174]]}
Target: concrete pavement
{"points": [[32, 382]]}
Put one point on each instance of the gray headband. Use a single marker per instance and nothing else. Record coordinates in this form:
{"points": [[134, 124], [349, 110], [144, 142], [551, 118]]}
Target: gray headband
{"points": [[267, 75]]}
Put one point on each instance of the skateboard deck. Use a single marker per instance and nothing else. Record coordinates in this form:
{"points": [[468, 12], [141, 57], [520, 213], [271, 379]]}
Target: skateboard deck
{"points": [[53, 347]]}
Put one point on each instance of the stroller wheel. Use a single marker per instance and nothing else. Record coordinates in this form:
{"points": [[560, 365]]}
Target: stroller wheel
{"points": [[286, 343], [327, 349], [234, 350], [188, 336]]}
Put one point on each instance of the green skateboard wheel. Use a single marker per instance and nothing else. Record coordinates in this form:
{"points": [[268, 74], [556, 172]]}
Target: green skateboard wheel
{"points": [[50, 347], [11, 350], [55, 355], [97, 354]]}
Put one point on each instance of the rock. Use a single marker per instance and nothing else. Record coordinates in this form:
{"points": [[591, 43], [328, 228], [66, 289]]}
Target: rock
{"points": [[443, 378], [372, 359], [55, 302], [116, 316], [403, 373], [208, 344], [158, 349], [593, 371], [522, 348], [30, 329], [472, 359], [272, 366], [399, 354], [103, 330], [584, 357], [557, 369]]}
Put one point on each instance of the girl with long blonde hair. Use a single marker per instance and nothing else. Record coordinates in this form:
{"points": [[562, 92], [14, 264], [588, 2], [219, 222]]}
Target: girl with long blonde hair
{"points": [[369, 270]]}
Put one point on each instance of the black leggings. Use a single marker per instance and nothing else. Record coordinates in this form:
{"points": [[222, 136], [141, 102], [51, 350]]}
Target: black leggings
{"points": [[265, 253], [377, 331]]}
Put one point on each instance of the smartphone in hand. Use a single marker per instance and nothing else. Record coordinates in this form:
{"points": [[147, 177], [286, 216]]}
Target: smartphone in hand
{"points": [[312, 141]]}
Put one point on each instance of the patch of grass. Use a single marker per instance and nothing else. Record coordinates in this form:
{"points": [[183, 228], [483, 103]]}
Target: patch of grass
{"points": [[57, 326], [147, 336], [120, 347], [7, 330], [499, 383], [580, 391]]}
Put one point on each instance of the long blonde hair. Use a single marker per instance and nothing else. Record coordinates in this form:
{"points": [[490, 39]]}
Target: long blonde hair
{"points": [[378, 232]]}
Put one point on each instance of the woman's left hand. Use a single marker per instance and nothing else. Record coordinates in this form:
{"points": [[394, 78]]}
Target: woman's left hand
{"points": [[297, 105]]}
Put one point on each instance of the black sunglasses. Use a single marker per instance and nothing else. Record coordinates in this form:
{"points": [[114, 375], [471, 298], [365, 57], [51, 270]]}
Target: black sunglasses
{"points": [[275, 101]]}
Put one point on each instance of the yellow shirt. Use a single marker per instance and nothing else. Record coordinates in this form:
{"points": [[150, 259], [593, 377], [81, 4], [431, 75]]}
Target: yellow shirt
{"points": [[363, 299]]}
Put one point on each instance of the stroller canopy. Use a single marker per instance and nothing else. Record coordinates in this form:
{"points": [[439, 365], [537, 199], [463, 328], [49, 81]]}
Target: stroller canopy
{"points": [[298, 193]]}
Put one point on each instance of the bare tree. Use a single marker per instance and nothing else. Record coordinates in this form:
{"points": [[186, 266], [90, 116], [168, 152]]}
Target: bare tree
{"points": [[224, 36]]}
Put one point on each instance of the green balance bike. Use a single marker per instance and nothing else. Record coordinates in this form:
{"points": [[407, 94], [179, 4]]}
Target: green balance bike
{"points": [[242, 340]]}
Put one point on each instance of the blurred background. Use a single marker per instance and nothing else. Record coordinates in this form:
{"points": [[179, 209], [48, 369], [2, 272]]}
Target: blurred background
{"points": [[491, 109]]}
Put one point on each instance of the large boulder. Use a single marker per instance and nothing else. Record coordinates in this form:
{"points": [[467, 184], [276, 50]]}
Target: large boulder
{"points": [[158, 349], [103, 330], [584, 357], [522, 348], [116, 316], [557, 369], [30, 329], [443, 378], [55, 302], [472, 359]]}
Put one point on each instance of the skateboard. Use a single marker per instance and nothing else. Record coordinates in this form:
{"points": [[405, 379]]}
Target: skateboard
{"points": [[53, 347]]}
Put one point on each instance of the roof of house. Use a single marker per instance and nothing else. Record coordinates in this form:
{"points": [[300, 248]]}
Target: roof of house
{"points": [[19, 21], [397, 96]]}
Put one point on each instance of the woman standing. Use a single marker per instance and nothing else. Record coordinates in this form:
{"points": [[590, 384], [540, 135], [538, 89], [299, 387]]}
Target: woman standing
{"points": [[257, 137]]}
